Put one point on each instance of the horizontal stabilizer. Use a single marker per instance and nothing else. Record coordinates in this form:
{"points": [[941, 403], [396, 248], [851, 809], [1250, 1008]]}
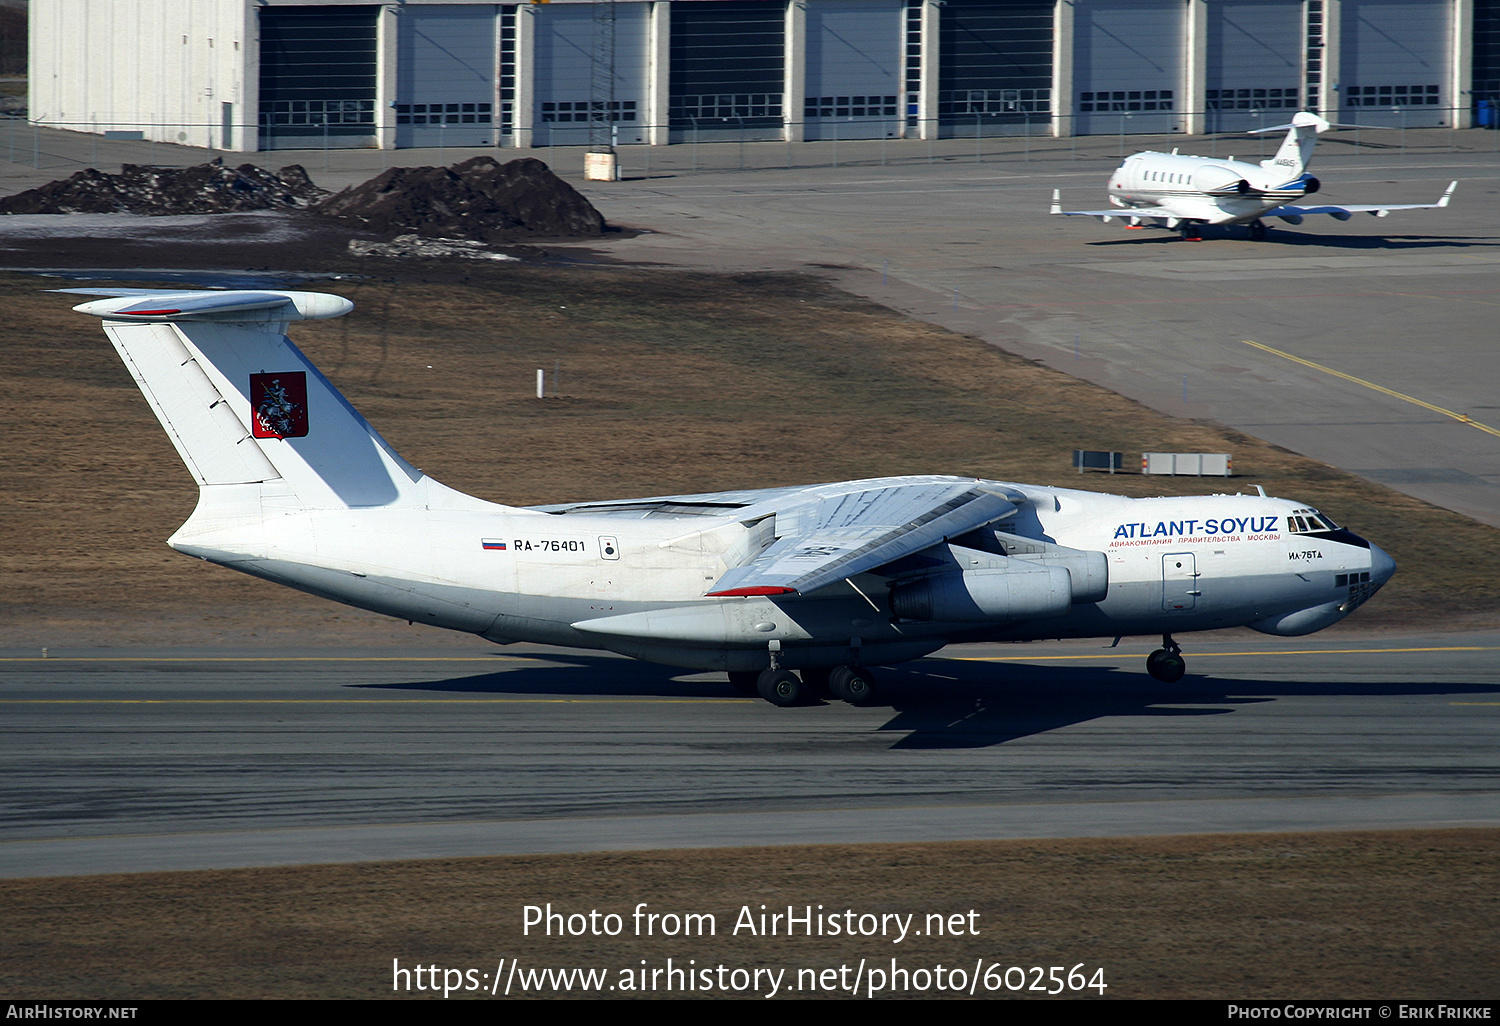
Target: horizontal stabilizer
{"points": [[235, 307]]}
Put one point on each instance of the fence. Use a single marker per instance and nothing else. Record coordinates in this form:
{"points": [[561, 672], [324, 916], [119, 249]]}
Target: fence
{"points": [[731, 144]]}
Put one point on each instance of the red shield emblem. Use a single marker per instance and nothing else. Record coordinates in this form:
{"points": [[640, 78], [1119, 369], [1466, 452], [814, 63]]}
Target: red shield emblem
{"points": [[278, 404]]}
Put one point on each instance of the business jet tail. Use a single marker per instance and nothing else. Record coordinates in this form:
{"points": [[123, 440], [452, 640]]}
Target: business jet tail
{"points": [[1296, 149]]}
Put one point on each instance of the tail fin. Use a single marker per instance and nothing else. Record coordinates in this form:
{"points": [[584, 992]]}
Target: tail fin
{"points": [[243, 405], [1297, 148]]}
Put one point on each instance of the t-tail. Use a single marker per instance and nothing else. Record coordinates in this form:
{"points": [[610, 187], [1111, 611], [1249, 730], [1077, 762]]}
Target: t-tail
{"points": [[262, 431], [1296, 149]]}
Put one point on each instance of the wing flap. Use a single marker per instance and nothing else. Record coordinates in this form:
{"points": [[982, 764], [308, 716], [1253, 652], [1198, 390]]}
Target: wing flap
{"points": [[855, 532]]}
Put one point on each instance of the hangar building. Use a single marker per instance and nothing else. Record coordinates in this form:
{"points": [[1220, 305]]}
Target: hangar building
{"points": [[266, 74]]}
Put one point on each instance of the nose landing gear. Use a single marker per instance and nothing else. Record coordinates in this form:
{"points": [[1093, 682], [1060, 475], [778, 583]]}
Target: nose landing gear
{"points": [[1166, 663], [1257, 229]]}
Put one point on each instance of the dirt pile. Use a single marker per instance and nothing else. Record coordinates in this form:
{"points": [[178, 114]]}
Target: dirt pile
{"points": [[479, 199], [146, 189]]}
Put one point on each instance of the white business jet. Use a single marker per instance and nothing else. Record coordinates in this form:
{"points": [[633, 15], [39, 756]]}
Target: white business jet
{"points": [[789, 590], [1182, 192]]}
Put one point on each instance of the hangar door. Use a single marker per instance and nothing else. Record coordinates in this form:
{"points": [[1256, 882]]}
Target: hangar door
{"points": [[317, 76], [1486, 67], [1394, 62], [727, 69], [445, 75], [574, 65], [854, 69], [1127, 66], [994, 66], [1253, 74]]}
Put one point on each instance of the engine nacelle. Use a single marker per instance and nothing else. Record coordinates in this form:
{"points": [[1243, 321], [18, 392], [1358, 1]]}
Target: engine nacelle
{"points": [[1089, 568], [1030, 592]]}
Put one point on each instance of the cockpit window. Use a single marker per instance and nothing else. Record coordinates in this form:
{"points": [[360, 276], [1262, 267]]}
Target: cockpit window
{"points": [[1306, 520]]}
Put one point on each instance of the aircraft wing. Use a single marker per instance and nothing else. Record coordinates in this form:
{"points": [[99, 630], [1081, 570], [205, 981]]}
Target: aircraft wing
{"points": [[836, 536], [1123, 213], [1344, 212]]}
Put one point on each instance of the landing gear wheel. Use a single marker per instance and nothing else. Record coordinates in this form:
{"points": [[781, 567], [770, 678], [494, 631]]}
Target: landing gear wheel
{"points": [[1258, 230], [1166, 663], [780, 687], [744, 681], [1191, 232], [1167, 667], [853, 684], [816, 679]]}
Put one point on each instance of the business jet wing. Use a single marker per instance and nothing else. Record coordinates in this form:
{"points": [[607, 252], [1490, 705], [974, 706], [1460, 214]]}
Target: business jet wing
{"points": [[1123, 213], [834, 536], [1344, 212]]}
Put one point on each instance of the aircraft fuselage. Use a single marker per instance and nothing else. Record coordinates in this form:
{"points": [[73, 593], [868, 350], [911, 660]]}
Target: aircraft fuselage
{"points": [[1206, 190], [637, 586]]}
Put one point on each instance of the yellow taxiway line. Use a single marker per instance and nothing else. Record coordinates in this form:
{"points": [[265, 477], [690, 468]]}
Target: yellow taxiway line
{"points": [[1462, 418]]}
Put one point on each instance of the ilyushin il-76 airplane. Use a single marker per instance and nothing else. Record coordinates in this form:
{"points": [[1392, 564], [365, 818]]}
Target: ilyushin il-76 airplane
{"points": [[1182, 192], [790, 590]]}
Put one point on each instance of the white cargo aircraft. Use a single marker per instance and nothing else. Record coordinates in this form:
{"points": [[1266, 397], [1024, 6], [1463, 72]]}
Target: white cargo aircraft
{"points": [[787, 589], [1176, 191]]}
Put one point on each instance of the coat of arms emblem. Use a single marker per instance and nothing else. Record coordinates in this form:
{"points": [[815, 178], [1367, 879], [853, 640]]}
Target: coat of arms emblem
{"points": [[279, 405]]}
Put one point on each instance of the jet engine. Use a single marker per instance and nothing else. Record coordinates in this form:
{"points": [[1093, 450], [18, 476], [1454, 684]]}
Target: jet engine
{"points": [[1015, 592], [1217, 180]]}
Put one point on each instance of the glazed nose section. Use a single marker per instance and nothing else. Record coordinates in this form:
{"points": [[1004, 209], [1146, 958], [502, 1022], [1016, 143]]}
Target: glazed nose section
{"points": [[1382, 566]]}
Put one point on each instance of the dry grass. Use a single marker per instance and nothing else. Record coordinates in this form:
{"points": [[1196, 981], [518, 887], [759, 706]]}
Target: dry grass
{"points": [[670, 382], [1371, 915]]}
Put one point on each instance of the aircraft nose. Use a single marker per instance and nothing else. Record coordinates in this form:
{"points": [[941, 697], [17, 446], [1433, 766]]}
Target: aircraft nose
{"points": [[1382, 566]]}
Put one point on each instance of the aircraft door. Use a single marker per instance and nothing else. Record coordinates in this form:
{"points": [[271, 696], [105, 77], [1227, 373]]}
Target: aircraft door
{"points": [[1179, 581]]}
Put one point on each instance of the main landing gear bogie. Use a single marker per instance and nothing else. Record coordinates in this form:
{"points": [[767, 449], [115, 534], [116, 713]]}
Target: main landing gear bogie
{"points": [[1166, 663], [852, 684]]}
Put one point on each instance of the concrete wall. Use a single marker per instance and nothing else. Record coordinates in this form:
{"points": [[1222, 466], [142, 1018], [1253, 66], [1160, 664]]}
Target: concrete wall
{"points": [[165, 68]]}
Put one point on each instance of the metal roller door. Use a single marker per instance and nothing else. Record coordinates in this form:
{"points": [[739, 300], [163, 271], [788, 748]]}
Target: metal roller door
{"points": [[445, 75], [994, 67], [1253, 75], [1127, 66], [317, 76], [853, 83], [1486, 66], [1394, 62], [571, 100], [727, 69]]}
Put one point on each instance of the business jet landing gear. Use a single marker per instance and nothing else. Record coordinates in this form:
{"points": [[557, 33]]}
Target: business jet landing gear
{"points": [[1166, 663], [1257, 229], [1191, 231]]}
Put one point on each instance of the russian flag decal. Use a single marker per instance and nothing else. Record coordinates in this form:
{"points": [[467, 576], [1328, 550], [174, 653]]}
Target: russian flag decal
{"points": [[492, 545]]}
